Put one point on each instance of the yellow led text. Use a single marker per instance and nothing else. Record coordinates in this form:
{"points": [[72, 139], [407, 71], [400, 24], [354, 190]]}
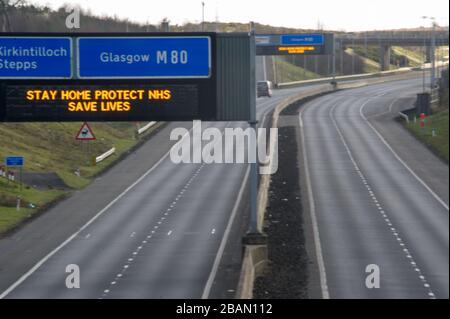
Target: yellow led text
{"points": [[101, 100]]}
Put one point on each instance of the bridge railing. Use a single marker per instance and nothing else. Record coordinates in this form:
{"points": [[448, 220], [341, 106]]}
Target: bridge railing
{"points": [[439, 35]]}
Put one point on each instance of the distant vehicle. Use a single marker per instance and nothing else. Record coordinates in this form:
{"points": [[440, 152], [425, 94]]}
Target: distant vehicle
{"points": [[264, 88]]}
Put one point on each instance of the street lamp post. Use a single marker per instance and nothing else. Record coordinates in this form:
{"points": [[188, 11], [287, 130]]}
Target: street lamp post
{"points": [[353, 54], [341, 51], [424, 56], [432, 54], [333, 66], [365, 44], [203, 16]]}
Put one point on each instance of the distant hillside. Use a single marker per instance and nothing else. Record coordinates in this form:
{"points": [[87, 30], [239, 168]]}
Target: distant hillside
{"points": [[30, 18]]}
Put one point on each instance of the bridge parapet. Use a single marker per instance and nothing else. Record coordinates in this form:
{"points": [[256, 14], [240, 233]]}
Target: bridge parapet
{"points": [[419, 38]]}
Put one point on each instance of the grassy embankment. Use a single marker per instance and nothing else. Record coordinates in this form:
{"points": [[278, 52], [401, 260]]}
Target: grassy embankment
{"points": [[435, 132], [288, 72], [51, 147], [439, 123]]}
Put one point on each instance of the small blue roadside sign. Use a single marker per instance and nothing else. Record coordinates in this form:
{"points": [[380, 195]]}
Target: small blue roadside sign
{"points": [[302, 39], [262, 39], [17, 161], [35, 58], [144, 57]]}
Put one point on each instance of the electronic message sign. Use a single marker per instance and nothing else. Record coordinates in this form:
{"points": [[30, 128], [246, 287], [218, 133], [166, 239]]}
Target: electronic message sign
{"points": [[294, 44], [290, 50], [102, 102]]}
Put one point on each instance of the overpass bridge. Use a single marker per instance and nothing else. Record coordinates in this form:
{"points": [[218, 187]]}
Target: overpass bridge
{"points": [[385, 40]]}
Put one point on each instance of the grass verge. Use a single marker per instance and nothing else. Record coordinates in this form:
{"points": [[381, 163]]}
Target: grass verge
{"points": [[51, 147], [438, 142], [32, 202], [288, 72], [11, 217]]}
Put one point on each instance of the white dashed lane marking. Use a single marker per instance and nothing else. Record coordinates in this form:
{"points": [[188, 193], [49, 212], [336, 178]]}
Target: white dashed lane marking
{"points": [[151, 233], [382, 212]]}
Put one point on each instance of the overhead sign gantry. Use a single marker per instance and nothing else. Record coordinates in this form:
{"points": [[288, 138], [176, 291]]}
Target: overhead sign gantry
{"points": [[125, 77], [294, 44]]}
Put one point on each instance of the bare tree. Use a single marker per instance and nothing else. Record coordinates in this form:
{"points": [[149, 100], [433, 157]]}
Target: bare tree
{"points": [[5, 6], [164, 25]]}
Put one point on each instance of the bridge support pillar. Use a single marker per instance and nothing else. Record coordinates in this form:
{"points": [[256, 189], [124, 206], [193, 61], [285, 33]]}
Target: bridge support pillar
{"points": [[428, 54], [385, 57]]}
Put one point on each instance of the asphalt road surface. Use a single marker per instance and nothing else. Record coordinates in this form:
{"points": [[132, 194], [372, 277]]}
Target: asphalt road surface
{"points": [[374, 204], [148, 228]]}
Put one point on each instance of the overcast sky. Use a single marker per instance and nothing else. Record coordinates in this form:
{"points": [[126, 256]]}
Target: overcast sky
{"points": [[349, 15]]}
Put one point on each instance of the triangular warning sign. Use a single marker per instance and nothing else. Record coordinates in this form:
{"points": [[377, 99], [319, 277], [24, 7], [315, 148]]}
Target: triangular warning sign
{"points": [[85, 133]]}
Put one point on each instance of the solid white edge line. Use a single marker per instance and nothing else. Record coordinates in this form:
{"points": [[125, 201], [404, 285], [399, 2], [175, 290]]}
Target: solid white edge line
{"points": [[68, 240], [386, 112], [400, 160], [312, 210], [218, 259], [353, 160]]}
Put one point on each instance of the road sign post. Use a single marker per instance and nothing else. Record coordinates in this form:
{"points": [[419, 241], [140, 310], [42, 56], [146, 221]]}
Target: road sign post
{"points": [[253, 123], [15, 161], [85, 133], [422, 120], [18, 203], [333, 81]]}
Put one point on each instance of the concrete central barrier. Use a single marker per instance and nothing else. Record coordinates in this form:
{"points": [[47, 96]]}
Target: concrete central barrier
{"points": [[255, 256]]}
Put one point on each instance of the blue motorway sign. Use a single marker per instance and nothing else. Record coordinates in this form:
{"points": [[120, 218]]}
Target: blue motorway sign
{"points": [[144, 57], [35, 58], [294, 44], [302, 39], [263, 39], [14, 161]]}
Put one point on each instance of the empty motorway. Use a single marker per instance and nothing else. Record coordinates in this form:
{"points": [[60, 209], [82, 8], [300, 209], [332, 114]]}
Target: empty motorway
{"points": [[148, 228], [375, 198]]}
